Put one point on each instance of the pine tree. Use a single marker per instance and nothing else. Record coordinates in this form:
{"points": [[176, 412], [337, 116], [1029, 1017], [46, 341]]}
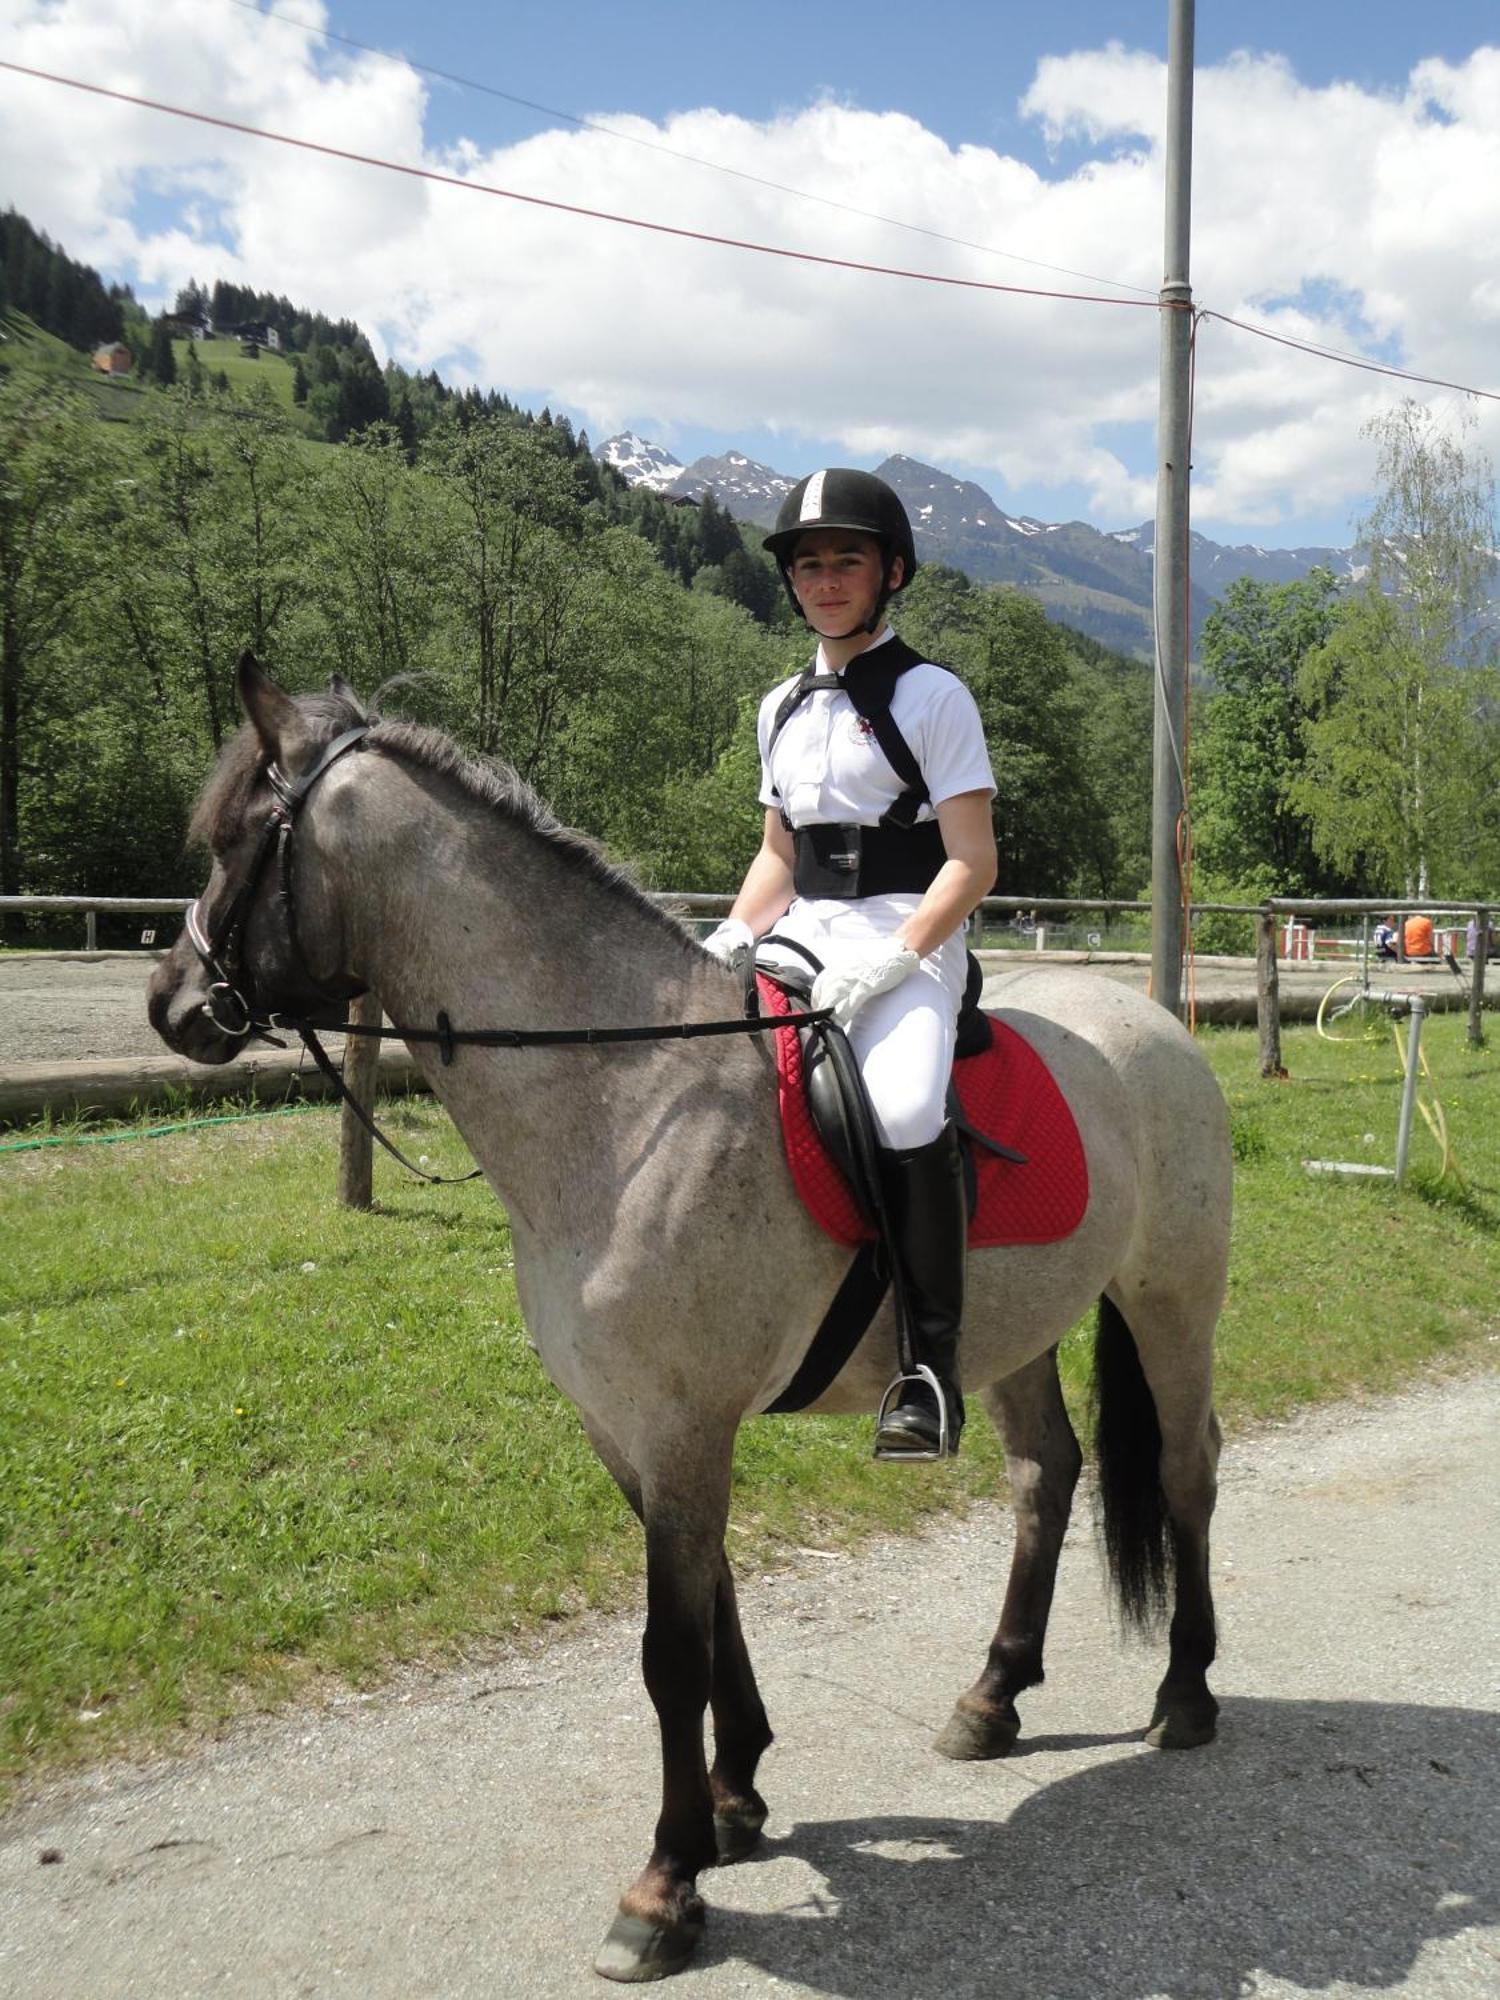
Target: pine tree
{"points": [[160, 363]]}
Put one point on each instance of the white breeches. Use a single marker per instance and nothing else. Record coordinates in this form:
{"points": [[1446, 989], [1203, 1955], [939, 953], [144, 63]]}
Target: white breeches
{"points": [[903, 1040]]}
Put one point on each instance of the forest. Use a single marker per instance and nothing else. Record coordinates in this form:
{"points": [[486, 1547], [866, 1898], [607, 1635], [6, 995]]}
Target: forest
{"points": [[469, 564]]}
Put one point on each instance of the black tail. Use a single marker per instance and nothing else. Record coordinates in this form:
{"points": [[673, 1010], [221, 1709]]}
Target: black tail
{"points": [[1127, 1446]]}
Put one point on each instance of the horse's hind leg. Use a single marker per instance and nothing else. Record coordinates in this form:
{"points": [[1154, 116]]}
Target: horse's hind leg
{"points": [[1158, 1446], [1043, 1462]]}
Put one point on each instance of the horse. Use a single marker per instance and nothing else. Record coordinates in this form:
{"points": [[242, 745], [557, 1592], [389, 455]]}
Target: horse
{"points": [[670, 1278]]}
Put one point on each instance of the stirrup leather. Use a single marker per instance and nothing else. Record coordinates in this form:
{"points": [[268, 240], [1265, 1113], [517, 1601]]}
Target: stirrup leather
{"points": [[918, 1454]]}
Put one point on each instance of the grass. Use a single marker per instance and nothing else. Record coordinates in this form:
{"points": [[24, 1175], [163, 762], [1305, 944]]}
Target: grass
{"points": [[248, 1440], [122, 398]]}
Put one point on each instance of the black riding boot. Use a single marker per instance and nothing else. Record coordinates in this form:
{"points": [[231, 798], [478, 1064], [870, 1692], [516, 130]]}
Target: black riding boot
{"points": [[924, 1196]]}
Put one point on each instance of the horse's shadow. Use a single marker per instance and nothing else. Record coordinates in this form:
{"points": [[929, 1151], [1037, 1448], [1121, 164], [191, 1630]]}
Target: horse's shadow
{"points": [[1321, 1843]]}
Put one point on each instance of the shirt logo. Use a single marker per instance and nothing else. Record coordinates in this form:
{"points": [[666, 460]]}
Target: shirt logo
{"points": [[861, 729]]}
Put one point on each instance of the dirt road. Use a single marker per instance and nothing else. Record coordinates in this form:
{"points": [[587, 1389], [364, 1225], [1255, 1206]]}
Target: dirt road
{"points": [[466, 1835], [80, 1006]]}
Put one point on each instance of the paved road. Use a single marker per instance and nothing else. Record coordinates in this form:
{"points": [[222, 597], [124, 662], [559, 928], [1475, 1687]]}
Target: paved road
{"points": [[465, 1836]]}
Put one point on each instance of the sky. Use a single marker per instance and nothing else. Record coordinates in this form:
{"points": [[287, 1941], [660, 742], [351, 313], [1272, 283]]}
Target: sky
{"points": [[1346, 191]]}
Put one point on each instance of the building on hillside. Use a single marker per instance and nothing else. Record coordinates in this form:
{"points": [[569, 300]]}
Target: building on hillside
{"points": [[188, 326], [112, 359], [254, 333]]}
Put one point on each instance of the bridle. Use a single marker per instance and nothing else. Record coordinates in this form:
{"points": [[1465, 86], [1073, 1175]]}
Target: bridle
{"points": [[237, 1010], [233, 1006]]}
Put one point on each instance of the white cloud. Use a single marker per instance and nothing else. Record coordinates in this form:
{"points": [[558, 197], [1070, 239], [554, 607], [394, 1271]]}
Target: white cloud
{"points": [[1338, 214]]}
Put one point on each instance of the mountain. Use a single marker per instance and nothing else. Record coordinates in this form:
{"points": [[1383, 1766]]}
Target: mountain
{"points": [[1217, 566], [639, 463], [1096, 582], [751, 491]]}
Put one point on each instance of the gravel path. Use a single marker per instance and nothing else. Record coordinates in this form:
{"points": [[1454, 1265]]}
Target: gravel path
{"points": [[465, 1835]]}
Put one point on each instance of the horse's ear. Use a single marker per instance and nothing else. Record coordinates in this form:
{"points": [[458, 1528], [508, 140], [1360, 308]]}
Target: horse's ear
{"points": [[269, 707], [339, 686]]}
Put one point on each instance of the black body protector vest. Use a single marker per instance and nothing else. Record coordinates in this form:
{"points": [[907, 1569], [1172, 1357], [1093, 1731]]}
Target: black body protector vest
{"points": [[895, 855]]}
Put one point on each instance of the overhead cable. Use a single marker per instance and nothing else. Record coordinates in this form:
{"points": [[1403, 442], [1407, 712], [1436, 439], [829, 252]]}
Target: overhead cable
{"points": [[730, 242], [675, 152], [563, 207]]}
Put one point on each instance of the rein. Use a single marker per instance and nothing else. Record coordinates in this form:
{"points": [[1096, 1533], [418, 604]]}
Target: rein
{"points": [[234, 1012]]}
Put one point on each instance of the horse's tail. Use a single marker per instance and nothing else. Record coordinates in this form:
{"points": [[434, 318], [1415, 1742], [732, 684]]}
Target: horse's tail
{"points": [[1127, 1446]]}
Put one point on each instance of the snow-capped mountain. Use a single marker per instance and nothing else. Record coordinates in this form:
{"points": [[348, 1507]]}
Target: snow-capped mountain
{"points": [[1216, 565], [639, 463], [1098, 583], [751, 491]]}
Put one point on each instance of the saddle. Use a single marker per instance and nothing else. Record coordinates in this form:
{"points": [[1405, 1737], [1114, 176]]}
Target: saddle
{"points": [[1024, 1164], [838, 1106]]}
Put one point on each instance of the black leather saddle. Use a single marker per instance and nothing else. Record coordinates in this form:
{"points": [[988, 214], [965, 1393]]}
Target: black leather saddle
{"points": [[840, 1105]]}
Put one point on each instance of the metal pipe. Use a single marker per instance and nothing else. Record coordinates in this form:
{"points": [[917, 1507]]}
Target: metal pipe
{"points": [[1409, 1086]]}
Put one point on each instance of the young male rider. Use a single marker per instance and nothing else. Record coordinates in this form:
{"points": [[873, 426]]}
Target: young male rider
{"points": [[875, 874]]}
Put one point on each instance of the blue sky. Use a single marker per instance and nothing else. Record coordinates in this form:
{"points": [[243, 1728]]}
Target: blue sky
{"points": [[1333, 201]]}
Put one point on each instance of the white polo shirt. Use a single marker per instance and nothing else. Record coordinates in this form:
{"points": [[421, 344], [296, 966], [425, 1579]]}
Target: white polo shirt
{"points": [[827, 768]]}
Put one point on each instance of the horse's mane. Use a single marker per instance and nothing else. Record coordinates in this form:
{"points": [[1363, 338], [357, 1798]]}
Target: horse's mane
{"points": [[495, 785]]}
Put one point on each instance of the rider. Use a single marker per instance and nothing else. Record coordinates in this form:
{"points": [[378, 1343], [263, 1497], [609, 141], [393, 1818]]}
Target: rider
{"points": [[874, 870]]}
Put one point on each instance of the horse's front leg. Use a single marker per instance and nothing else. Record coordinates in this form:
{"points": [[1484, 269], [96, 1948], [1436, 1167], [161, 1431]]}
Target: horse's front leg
{"points": [[685, 1505], [741, 1730], [1043, 1461]]}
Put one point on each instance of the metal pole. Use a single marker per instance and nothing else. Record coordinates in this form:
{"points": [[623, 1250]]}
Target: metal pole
{"points": [[1409, 1086], [1170, 571]]}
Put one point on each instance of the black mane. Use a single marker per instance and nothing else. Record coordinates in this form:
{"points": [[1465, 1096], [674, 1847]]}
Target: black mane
{"points": [[220, 814]]}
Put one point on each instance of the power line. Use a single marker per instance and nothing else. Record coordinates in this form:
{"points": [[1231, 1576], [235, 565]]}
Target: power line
{"points": [[731, 242], [564, 207], [1348, 360], [675, 153]]}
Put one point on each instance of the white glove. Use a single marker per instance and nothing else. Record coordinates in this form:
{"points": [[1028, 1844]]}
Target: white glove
{"points": [[874, 968], [731, 943]]}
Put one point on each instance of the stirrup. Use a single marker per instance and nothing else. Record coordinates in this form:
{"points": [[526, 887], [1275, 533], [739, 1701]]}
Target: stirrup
{"points": [[917, 1454]]}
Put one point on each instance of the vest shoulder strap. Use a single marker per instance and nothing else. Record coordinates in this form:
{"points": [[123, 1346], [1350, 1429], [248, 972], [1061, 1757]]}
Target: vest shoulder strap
{"points": [[870, 683]]}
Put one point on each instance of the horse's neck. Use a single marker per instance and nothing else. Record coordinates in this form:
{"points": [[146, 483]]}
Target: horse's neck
{"points": [[449, 906]]}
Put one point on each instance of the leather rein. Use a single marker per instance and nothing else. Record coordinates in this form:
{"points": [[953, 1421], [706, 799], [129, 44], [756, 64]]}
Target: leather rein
{"points": [[235, 1008]]}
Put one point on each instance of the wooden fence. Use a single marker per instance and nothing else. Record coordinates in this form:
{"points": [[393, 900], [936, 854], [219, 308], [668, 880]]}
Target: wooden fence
{"points": [[1276, 921]]}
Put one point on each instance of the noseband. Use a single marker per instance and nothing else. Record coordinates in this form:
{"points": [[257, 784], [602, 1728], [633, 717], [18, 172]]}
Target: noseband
{"points": [[233, 1006]]}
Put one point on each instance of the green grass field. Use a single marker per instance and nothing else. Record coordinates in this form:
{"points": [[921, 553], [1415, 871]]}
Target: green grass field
{"points": [[120, 399], [248, 1440]]}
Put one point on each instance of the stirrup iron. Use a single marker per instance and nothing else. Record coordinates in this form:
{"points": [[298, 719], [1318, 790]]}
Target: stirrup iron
{"points": [[918, 1454]]}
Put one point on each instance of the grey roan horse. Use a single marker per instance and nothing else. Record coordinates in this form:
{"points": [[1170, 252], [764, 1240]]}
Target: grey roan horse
{"points": [[667, 1271]]}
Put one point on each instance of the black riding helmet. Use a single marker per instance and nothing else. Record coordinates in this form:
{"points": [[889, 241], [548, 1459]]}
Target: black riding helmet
{"points": [[841, 497]]}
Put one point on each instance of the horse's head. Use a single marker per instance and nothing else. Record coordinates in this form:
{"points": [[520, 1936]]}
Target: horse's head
{"points": [[251, 951]]}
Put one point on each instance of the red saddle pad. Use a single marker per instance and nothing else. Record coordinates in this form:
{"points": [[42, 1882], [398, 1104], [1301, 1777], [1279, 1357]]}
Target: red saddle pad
{"points": [[1007, 1092]]}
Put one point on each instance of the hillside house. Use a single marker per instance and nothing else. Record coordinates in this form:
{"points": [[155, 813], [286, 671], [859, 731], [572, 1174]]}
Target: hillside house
{"points": [[188, 326], [255, 333], [112, 359]]}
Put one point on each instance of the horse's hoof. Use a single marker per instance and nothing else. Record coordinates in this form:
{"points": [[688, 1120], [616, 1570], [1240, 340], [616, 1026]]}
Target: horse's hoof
{"points": [[1185, 1723], [737, 1834], [972, 1736], [635, 1948]]}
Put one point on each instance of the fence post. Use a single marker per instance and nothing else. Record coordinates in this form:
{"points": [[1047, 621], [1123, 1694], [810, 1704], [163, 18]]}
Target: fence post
{"points": [[361, 1068], [1268, 995], [90, 930], [1477, 966]]}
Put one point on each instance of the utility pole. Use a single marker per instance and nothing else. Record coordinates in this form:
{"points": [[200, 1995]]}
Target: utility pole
{"points": [[1170, 560]]}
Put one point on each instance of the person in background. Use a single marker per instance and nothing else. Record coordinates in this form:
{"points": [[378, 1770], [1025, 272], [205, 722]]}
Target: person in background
{"points": [[1418, 936], [1385, 938]]}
